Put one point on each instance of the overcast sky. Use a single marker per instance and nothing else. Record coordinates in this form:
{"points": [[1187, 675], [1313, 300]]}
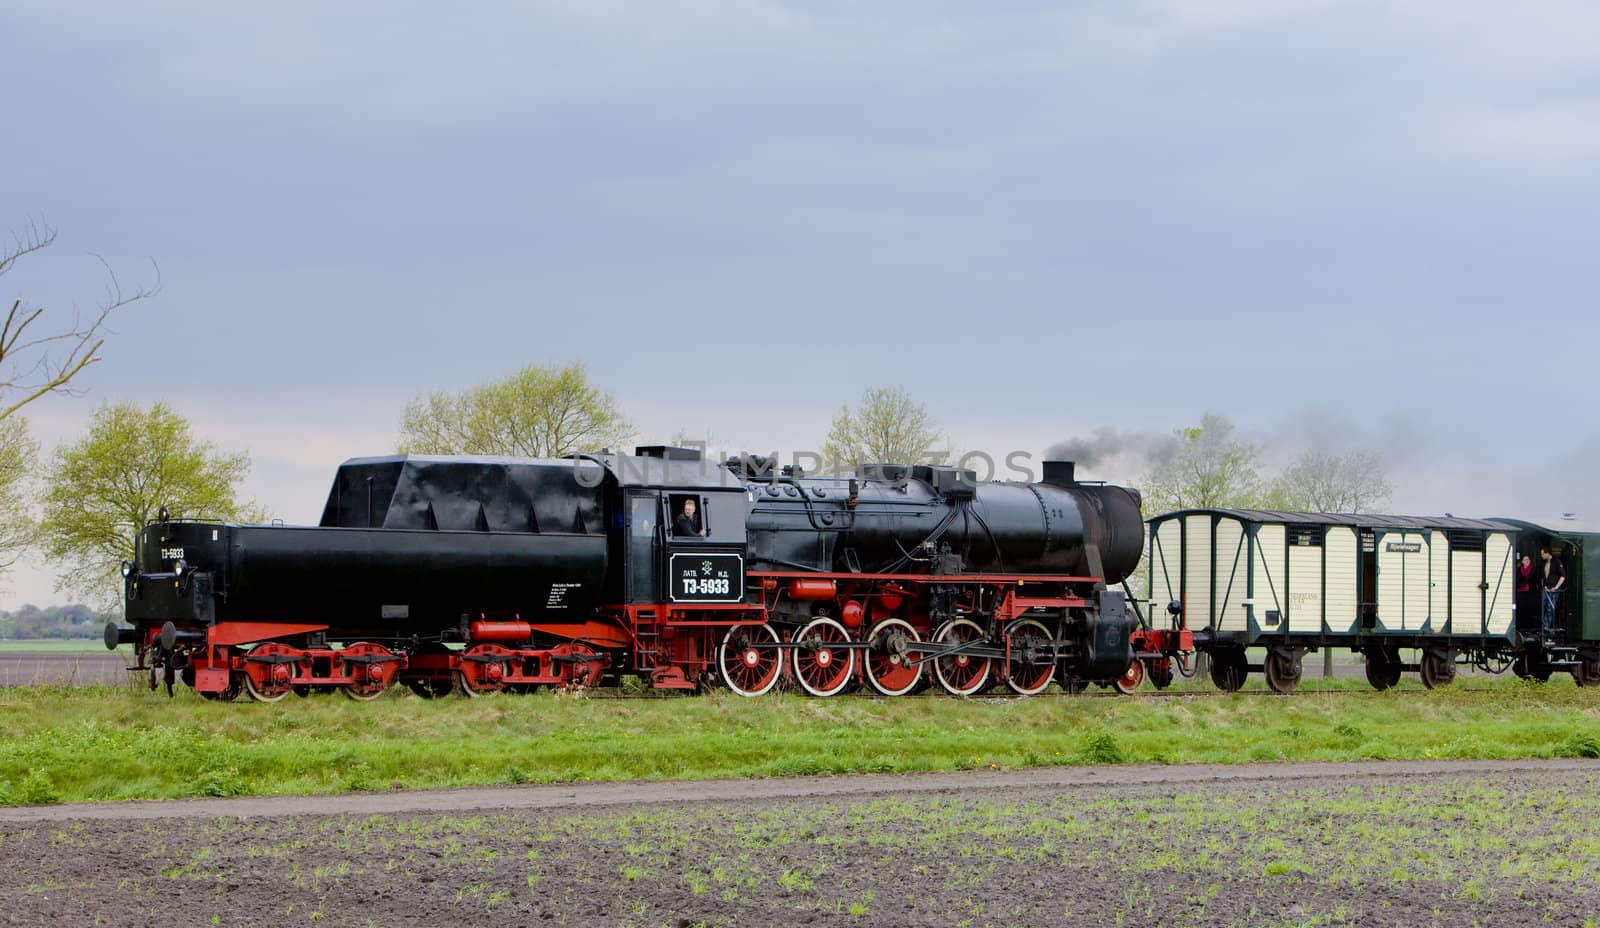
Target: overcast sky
{"points": [[1336, 222]]}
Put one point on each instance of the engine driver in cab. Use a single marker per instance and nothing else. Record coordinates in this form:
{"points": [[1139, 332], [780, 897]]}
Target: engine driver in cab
{"points": [[687, 524]]}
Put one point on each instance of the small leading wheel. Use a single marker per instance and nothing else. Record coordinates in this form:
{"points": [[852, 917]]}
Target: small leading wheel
{"points": [[892, 645], [751, 659], [823, 660], [370, 669], [269, 671], [1159, 670], [1282, 670], [1438, 668], [1229, 669], [1131, 679], [961, 674], [1032, 662]]}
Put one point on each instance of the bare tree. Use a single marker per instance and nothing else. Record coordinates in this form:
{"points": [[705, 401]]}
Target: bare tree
{"points": [[1323, 482], [42, 351]]}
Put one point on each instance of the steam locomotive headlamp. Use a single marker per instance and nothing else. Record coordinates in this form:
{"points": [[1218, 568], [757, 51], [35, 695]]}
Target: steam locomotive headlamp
{"points": [[180, 567], [127, 569]]}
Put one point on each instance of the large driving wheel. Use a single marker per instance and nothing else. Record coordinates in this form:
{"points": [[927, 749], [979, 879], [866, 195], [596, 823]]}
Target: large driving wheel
{"points": [[959, 673], [1282, 670], [892, 646], [269, 671], [1032, 662], [751, 659], [1229, 668], [1438, 668], [823, 660]]}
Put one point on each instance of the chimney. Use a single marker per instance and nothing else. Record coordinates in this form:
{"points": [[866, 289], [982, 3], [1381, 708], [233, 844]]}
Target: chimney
{"points": [[1059, 473]]}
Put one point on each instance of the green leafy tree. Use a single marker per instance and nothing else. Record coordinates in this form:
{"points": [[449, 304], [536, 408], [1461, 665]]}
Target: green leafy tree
{"points": [[1208, 466], [130, 463], [1324, 482], [886, 426], [18, 455], [538, 412]]}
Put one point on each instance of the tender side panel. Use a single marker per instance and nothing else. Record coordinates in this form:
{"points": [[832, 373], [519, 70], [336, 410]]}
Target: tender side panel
{"points": [[1305, 589], [1501, 595], [1268, 575], [1232, 561], [1197, 570], [1466, 592], [1341, 599]]}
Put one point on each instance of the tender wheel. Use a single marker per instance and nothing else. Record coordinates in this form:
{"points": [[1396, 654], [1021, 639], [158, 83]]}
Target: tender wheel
{"points": [[892, 645], [1282, 670], [484, 668], [1032, 664], [370, 670], [430, 688], [587, 668], [750, 659], [1131, 679], [1383, 668], [235, 687], [269, 671], [1438, 668], [822, 665], [960, 674], [1229, 668]]}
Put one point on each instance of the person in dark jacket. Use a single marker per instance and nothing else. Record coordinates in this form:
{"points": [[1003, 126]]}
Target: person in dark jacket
{"points": [[687, 524], [1555, 580]]}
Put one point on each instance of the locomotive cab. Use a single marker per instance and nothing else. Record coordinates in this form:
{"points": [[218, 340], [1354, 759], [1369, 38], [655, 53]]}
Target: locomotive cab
{"points": [[685, 540]]}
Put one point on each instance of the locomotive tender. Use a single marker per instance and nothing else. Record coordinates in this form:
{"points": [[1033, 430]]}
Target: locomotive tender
{"points": [[479, 575]]}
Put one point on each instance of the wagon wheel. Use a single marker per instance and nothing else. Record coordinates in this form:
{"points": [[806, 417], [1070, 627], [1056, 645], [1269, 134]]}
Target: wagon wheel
{"points": [[1383, 667], [747, 669], [1131, 679], [1032, 664], [270, 680], [1282, 670], [1438, 669], [368, 678], [1587, 673], [892, 645], [960, 674], [1229, 669], [484, 668], [823, 662]]}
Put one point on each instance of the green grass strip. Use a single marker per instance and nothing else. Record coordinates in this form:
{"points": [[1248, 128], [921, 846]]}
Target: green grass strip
{"points": [[63, 744]]}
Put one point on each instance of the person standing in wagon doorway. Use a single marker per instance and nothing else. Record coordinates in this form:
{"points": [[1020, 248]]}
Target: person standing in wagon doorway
{"points": [[1555, 580]]}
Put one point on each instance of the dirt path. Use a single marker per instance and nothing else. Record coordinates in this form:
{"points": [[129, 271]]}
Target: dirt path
{"points": [[574, 796], [1388, 844]]}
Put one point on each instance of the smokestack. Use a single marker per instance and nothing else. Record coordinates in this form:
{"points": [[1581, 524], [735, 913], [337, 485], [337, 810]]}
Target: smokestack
{"points": [[1060, 473]]}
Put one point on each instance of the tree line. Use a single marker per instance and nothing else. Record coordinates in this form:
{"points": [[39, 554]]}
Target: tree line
{"points": [[81, 505]]}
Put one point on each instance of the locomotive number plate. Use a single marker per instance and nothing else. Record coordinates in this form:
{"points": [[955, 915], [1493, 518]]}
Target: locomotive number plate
{"points": [[706, 578]]}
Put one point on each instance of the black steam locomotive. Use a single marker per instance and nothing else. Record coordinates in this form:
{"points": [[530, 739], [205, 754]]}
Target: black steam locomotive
{"points": [[487, 574]]}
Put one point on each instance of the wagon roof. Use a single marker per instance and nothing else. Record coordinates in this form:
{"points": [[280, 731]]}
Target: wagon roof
{"points": [[1355, 520]]}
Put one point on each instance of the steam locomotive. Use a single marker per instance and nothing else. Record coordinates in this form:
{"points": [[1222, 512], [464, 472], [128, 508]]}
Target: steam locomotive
{"points": [[478, 575]]}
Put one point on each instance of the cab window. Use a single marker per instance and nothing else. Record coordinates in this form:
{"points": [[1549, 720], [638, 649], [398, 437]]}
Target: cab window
{"points": [[687, 518]]}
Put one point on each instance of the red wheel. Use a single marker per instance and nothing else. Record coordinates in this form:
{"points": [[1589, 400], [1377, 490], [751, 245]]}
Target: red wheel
{"points": [[584, 670], [892, 646], [370, 669], [823, 662], [1131, 678], [960, 674], [484, 668], [751, 659], [269, 671], [1032, 664]]}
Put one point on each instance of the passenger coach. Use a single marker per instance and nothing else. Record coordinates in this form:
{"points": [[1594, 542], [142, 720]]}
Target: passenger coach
{"points": [[1443, 589]]}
